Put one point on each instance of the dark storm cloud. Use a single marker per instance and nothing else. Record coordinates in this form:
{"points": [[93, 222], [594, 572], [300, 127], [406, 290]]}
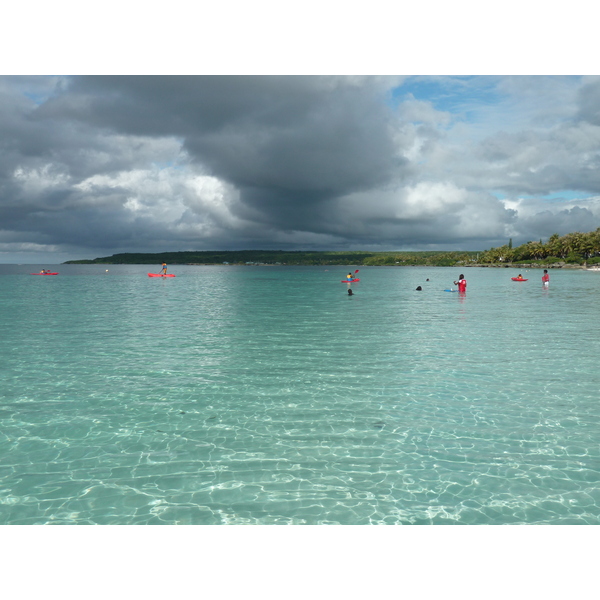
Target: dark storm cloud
{"points": [[289, 145], [282, 140]]}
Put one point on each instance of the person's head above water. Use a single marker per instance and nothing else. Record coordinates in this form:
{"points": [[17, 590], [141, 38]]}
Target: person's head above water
{"points": [[419, 289], [350, 292]]}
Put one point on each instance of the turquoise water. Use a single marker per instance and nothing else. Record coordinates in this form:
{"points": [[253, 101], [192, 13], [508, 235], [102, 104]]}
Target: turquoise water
{"points": [[267, 395]]}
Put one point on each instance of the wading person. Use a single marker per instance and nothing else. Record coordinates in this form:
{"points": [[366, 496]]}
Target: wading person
{"points": [[545, 277], [461, 283]]}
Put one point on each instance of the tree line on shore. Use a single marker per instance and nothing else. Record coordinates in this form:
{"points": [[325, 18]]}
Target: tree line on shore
{"points": [[574, 248], [280, 257]]}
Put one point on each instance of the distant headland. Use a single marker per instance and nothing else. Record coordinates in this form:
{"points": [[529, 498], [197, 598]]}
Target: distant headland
{"points": [[575, 250], [281, 257]]}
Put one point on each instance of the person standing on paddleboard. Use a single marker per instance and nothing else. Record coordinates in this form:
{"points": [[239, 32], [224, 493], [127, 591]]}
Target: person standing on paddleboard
{"points": [[461, 283], [164, 269]]}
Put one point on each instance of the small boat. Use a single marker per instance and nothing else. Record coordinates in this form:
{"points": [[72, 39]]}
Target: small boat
{"points": [[518, 279], [44, 273]]}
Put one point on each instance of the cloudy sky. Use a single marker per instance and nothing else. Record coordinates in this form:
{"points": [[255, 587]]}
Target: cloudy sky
{"points": [[252, 144], [95, 165]]}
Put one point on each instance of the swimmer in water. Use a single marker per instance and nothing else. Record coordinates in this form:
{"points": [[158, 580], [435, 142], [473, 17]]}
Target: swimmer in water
{"points": [[350, 292]]}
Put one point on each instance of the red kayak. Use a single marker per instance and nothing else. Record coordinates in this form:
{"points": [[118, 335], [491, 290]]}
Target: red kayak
{"points": [[159, 275], [517, 279], [44, 273], [349, 280]]}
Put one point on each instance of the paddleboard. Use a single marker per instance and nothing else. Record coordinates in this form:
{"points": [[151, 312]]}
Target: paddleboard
{"points": [[451, 290], [349, 280], [160, 275], [44, 273]]}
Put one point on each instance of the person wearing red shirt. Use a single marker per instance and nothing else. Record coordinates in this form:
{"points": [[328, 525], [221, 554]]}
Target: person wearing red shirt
{"points": [[461, 283], [545, 277]]}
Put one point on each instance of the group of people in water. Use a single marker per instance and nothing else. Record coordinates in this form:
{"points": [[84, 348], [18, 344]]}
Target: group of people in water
{"points": [[545, 278], [462, 282]]}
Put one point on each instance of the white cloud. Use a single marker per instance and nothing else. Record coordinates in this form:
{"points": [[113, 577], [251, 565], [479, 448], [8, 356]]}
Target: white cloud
{"points": [[427, 200], [36, 180]]}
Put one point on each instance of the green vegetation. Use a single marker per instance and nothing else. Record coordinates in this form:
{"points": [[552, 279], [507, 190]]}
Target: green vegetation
{"points": [[573, 248], [431, 259], [272, 257]]}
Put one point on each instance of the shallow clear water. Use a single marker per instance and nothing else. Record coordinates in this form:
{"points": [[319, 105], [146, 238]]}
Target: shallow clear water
{"points": [[268, 395]]}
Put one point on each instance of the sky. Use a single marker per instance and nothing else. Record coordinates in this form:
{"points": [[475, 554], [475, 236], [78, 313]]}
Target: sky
{"points": [[101, 161]]}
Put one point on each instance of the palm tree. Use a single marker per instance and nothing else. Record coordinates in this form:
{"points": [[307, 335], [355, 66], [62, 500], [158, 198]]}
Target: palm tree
{"points": [[594, 237], [553, 245], [537, 250]]}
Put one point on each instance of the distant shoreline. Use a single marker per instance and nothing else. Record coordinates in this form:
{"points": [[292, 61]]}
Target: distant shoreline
{"points": [[560, 265], [516, 267], [342, 259], [283, 258]]}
